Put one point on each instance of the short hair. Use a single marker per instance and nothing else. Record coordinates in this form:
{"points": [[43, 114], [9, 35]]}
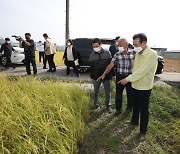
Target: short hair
{"points": [[142, 37], [69, 40], [28, 34], [7, 39], [40, 41], [96, 40], [117, 38], [45, 35]]}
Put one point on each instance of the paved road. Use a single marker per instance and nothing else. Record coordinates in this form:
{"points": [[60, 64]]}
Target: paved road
{"points": [[166, 77]]}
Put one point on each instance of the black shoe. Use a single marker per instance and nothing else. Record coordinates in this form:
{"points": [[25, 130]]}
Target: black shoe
{"points": [[44, 68], [27, 74], [96, 107], [109, 109], [6, 67], [117, 113], [54, 70], [67, 74], [49, 70], [77, 75], [132, 123], [14, 67]]}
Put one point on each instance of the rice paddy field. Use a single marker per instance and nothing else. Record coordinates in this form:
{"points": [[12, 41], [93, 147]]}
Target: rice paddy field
{"points": [[57, 58], [41, 116]]}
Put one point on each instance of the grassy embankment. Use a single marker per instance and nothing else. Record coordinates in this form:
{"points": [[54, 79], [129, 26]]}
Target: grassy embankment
{"points": [[107, 134]]}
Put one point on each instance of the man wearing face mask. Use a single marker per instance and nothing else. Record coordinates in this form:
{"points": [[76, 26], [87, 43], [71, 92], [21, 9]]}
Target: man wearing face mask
{"points": [[142, 78], [123, 60], [70, 58], [114, 47], [29, 50], [7, 48], [99, 60]]}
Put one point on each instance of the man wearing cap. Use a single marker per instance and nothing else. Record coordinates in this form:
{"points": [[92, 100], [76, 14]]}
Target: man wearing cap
{"points": [[7, 48], [29, 50]]}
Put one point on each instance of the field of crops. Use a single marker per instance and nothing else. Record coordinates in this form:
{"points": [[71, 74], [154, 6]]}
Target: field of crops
{"points": [[41, 116], [57, 58]]}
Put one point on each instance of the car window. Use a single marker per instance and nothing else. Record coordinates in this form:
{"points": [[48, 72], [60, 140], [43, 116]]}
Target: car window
{"points": [[106, 46], [1, 41]]}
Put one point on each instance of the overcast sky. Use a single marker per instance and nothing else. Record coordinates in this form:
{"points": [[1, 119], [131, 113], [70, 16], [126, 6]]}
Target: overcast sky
{"points": [[158, 19]]}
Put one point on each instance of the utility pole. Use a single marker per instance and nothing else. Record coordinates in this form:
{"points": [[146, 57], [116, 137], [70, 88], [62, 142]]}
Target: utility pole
{"points": [[67, 20]]}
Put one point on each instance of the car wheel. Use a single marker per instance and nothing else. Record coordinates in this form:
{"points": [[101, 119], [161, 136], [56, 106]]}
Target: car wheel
{"points": [[3, 61]]}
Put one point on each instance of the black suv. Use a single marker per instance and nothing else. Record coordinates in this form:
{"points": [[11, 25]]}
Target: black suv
{"points": [[84, 48]]}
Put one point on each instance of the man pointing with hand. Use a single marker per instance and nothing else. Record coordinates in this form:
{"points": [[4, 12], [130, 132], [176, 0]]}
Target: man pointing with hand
{"points": [[142, 78]]}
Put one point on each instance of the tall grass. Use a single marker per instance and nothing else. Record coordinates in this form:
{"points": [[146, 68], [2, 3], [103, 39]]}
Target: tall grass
{"points": [[41, 116]]}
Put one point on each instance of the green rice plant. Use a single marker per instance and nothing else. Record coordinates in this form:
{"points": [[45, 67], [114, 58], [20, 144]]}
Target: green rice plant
{"points": [[41, 116]]}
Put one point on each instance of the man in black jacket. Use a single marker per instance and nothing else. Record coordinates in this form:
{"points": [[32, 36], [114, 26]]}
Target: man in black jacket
{"points": [[99, 60], [114, 47], [7, 48], [29, 50]]}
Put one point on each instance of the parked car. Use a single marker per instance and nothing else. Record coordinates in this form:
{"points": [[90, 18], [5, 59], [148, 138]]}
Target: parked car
{"points": [[84, 48], [17, 57]]}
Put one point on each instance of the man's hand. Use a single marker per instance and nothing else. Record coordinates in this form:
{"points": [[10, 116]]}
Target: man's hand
{"points": [[101, 77], [114, 78], [123, 81]]}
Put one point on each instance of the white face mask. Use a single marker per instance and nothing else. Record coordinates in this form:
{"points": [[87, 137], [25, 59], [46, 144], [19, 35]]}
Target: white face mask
{"points": [[97, 49], [138, 49], [68, 43], [8, 42], [121, 49]]}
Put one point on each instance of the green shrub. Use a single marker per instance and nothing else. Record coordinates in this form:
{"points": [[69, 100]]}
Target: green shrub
{"points": [[41, 116]]}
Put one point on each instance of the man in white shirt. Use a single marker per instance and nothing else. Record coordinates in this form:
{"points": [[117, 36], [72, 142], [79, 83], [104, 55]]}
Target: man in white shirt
{"points": [[40, 48]]}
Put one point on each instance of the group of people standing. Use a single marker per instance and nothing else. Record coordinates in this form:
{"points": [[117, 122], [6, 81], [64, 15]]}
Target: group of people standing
{"points": [[70, 56], [134, 70], [46, 51]]}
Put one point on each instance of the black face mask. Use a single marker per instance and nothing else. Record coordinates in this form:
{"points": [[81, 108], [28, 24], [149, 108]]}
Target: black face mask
{"points": [[27, 38]]}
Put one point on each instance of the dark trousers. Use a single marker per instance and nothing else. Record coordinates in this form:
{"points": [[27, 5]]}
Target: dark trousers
{"points": [[141, 107], [41, 56], [119, 93], [45, 60], [31, 60], [8, 62], [107, 89], [71, 64], [51, 62]]}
